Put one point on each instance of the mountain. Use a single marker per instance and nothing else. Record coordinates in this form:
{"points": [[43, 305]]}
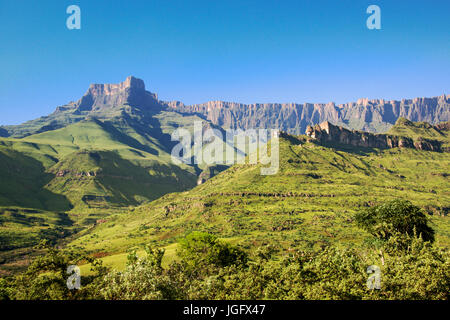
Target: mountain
{"points": [[100, 170], [128, 100], [86, 161], [111, 148], [368, 115]]}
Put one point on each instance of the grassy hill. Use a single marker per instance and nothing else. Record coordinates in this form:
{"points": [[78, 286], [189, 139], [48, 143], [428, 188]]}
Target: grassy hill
{"points": [[94, 158], [22, 183], [421, 130], [92, 169], [308, 204]]}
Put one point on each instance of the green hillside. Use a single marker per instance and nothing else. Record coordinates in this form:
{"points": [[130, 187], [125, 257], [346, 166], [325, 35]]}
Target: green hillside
{"points": [[22, 183], [70, 155], [93, 168], [97, 176], [421, 130], [310, 202]]}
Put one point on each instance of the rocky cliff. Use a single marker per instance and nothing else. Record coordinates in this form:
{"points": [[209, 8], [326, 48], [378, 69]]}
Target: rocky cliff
{"points": [[130, 92], [101, 101], [369, 115], [328, 133], [104, 101]]}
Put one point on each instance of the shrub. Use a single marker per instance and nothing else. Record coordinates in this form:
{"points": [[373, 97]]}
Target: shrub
{"points": [[401, 216]]}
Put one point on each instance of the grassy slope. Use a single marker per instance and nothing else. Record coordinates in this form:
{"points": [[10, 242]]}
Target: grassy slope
{"points": [[64, 149], [329, 186], [415, 130], [130, 169]]}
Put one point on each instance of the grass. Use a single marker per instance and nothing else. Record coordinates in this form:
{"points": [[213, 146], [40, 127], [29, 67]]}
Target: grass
{"points": [[308, 204]]}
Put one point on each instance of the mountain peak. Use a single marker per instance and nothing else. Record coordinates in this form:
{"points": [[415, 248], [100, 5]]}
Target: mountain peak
{"points": [[133, 82], [129, 92], [109, 89]]}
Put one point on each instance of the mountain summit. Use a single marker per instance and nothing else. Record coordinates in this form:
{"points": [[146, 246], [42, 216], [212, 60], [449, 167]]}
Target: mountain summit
{"points": [[129, 92], [101, 101]]}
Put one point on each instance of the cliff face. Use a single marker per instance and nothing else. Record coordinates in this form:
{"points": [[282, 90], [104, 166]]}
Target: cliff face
{"points": [[369, 115], [130, 92], [106, 100], [326, 132], [102, 101]]}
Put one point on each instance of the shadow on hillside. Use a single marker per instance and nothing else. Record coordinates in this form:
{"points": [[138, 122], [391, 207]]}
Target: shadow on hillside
{"points": [[22, 183], [125, 139], [362, 151], [128, 182]]}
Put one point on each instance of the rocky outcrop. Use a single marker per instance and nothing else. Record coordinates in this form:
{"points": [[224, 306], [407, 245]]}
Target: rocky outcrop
{"points": [[63, 173], [101, 101], [329, 133], [3, 132], [443, 126], [130, 92], [376, 115]]}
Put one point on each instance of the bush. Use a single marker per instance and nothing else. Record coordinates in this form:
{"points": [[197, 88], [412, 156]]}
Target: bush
{"points": [[401, 216], [200, 249], [210, 269], [143, 279]]}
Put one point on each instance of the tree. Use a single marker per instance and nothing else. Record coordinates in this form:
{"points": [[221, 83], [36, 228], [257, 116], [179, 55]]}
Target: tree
{"points": [[397, 216], [200, 249], [143, 279], [46, 277]]}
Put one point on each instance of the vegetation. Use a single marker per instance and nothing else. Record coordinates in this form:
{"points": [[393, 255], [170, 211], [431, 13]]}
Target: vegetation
{"points": [[308, 204], [419, 130], [420, 271], [395, 216], [308, 232]]}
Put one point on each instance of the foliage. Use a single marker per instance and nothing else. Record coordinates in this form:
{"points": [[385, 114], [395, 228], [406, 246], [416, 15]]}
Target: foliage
{"points": [[143, 279], [200, 249], [395, 216], [46, 278], [419, 272]]}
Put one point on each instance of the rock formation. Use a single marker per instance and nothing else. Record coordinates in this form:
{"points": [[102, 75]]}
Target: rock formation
{"points": [[130, 92], [369, 115], [103, 101], [329, 133]]}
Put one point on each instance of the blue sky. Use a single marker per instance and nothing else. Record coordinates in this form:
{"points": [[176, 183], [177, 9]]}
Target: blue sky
{"points": [[243, 51]]}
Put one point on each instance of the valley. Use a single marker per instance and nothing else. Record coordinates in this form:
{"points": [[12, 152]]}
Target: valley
{"points": [[97, 176]]}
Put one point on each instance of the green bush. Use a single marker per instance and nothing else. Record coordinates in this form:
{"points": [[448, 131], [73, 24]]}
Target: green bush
{"points": [[401, 216], [200, 249], [210, 269]]}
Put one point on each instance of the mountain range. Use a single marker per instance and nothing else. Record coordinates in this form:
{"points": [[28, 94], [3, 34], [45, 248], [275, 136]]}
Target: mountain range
{"points": [[99, 171], [132, 101], [376, 115]]}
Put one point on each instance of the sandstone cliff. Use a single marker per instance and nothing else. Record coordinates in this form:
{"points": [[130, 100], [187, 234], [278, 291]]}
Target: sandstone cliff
{"points": [[104, 101], [328, 133], [369, 115]]}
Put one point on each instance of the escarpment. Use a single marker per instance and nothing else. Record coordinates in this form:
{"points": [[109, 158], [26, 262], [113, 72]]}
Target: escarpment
{"points": [[326, 132]]}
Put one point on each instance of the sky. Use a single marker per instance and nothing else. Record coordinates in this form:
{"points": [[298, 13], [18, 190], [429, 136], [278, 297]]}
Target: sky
{"points": [[243, 51]]}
